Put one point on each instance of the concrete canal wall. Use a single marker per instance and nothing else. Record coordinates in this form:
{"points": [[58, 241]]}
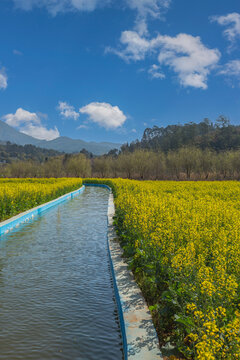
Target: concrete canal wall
{"points": [[138, 332]]}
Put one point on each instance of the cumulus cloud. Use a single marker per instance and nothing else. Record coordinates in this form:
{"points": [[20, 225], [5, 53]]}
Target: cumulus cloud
{"points": [[232, 22], [133, 46], [40, 132], [185, 54], [30, 124], [3, 79], [147, 9], [56, 6], [104, 114], [189, 58], [67, 110], [21, 117]]}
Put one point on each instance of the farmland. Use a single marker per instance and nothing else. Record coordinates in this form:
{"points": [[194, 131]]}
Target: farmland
{"points": [[183, 243], [17, 195]]}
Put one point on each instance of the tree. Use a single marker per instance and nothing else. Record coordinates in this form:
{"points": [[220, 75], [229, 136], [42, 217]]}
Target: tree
{"points": [[222, 122], [78, 166], [141, 163], [189, 160], [53, 168], [101, 166], [126, 164], [173, 164], [207, 160]]}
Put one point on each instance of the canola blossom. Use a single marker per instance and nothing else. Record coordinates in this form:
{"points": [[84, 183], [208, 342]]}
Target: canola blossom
{"points": [[17, 195], [183, 243]]}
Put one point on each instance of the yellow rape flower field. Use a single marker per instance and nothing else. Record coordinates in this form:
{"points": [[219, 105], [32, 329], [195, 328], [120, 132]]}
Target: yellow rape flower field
{"points": [[183, 243], [17, 195]]}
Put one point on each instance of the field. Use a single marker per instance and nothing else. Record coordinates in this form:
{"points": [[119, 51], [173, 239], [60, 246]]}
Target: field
{"points": [[182, 240], [17, 195], [183, 243]]}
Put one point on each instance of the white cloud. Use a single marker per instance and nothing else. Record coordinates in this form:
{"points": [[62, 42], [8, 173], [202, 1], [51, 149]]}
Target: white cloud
{"points": [[40, 132], [104, 114], [135, 46], [22, 117], [67, 110], [30, 124], [231, 71], [231, 68], [189, 58], [155, 72], [185, 54], [56, 6], [232, 21], [82, 126], [3, 79], [147, 9]]}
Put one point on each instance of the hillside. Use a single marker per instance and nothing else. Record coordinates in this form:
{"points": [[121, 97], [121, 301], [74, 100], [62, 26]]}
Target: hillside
{"points": [[12, 152], [62, 144], [7, 133], [218, 136]]}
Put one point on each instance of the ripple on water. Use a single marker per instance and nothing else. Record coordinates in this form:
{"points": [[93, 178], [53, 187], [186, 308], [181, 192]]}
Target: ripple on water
{"points": [[56, 294]]}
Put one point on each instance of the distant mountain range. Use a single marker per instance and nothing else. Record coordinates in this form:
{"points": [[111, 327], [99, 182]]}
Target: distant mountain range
{"points": [[63, 143]]}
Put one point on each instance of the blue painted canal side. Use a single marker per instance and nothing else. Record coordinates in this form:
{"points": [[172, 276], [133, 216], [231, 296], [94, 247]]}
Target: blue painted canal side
{"points": [[15, 221]]}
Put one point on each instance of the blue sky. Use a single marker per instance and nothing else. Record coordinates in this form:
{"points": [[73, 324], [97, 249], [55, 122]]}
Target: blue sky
{"points": [[105, 70]]}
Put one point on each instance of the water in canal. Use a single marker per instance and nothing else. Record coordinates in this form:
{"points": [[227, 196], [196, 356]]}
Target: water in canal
{"points": [[56, 294]]}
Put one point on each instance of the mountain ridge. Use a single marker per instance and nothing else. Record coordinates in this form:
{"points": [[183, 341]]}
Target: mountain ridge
{"points": [[62, 143]]}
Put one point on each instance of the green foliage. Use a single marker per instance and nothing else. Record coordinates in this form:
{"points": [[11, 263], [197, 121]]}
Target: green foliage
{"points": [[220, 136], [12, 152]]}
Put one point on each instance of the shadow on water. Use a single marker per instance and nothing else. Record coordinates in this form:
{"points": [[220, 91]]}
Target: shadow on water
{"points": [[56, 293]]}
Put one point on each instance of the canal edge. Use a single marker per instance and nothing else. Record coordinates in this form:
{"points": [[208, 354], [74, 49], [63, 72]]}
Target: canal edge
{"points": [[15, 221], [139, 334]]}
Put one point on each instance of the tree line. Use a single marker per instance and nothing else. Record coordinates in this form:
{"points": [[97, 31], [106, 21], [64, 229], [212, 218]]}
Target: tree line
{"points": [[204, 151], [12, 152], [186, 163], [217, 136]]}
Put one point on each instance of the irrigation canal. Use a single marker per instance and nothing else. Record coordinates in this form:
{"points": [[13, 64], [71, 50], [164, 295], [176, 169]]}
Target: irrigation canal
{"points": [[56, 293]]}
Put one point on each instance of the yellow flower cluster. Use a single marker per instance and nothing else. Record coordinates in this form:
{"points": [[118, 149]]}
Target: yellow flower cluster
{"points": [[17, 195], [183, 241]]}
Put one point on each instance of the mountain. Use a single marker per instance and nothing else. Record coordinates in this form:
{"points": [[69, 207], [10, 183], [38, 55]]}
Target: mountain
{"points": [[63, 143], [7, 133], [69, 145]]}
